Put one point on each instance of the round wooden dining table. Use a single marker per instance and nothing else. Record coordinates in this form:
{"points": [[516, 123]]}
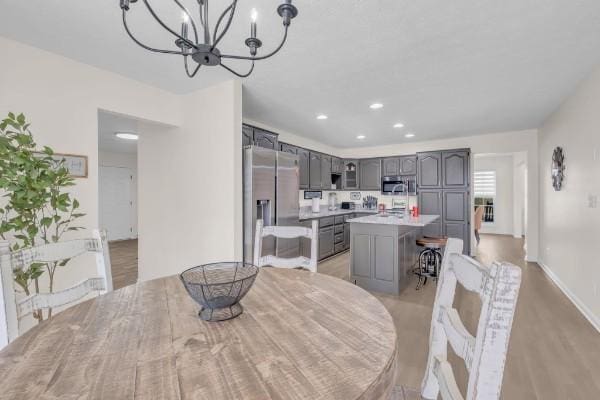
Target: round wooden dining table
{"points": [[302, 336]]}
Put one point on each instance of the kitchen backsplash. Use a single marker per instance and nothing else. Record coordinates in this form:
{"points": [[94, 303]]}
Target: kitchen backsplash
{"points": [[345, 196]]}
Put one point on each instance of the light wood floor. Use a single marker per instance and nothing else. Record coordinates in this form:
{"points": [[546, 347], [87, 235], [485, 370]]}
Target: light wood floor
{"points": [[554, 351], [124, 262]]}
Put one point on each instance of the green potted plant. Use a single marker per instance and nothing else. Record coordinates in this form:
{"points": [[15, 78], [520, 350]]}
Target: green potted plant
{"points": [[35, 206]]}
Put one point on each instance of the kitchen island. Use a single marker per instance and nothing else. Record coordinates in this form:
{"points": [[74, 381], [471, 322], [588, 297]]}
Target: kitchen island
{"points": [[383, 250]]}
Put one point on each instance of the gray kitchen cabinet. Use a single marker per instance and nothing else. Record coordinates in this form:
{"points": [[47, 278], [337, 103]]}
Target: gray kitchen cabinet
{"points": [[305, 242], [304, 166], [287, 148], [370, 174], [391, 166], [337, 165], [408, 165], [326, 242], [351, 178], [265, 139], [429, 170], [247, 135], [325, 172], [346, 236], [430, 203], [456, 215], [455, 169], [315, 177]]}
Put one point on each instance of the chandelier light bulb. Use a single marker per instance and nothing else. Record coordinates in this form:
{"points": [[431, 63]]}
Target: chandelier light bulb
{"points": [[185, 18], [254, 15]]}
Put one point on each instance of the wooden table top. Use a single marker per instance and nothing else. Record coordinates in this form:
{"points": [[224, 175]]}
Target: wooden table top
{"points": [[301, 336]]}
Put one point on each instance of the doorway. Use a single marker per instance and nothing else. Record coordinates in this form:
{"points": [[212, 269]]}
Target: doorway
{"points": [[118, 194]]}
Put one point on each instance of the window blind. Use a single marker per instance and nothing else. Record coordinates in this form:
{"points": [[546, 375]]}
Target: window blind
{"points": [[485, 183]]}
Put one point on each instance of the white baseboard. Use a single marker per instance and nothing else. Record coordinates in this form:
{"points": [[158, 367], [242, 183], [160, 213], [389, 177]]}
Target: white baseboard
{"points": [[583, 309]]}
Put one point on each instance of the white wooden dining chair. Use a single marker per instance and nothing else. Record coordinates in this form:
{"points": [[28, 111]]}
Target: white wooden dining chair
{"points": [[484, 354], [13, 309], [286, 232]]}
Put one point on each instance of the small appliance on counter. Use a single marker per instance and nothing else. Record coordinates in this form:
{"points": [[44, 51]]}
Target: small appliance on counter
{"points": [[348, 205], [333, 203], [370, 203], [316, 205]]}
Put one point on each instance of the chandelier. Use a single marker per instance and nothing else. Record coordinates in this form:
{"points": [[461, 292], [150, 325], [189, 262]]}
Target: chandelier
{"points": [[200, 45]]}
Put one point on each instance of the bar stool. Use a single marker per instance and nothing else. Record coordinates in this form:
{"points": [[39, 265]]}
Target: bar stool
{"points": [[430, 258]]}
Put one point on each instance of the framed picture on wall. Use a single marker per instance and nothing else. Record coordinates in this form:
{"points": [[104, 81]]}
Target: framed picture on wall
{"points": [[76, 165]]}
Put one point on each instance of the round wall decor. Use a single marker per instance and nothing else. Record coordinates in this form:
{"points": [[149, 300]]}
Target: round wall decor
{"points": [[558, 168]]}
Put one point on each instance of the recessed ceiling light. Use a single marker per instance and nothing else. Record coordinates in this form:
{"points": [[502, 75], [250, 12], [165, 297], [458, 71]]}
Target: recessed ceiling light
{"points": [[376, 106], [399, 125], [361, 137], [322, 116], [409, 135], [126, 135]]}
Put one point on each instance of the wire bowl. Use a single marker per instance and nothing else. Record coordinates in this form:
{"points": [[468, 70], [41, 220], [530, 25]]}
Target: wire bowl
{"points": [[219, 287]]}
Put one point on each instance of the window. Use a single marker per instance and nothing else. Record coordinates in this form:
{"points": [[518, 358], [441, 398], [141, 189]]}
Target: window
{"points": [[485, 193]]}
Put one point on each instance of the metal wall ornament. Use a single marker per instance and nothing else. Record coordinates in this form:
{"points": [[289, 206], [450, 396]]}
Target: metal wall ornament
{"points": [[558, 168], [201, 46]]}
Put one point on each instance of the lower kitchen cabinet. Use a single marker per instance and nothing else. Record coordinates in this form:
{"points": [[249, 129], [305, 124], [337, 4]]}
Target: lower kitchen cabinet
{"points": [[326, 242]]}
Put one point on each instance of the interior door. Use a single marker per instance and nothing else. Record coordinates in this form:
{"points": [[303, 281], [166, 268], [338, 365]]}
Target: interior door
{"points": [[116, 202]]}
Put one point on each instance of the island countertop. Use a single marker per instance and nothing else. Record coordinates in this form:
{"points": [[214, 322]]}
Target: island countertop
{"points": [[420, 221]]}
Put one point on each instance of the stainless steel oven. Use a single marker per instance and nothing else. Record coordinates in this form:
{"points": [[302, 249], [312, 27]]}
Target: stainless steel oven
{"points": [[399, 185]]}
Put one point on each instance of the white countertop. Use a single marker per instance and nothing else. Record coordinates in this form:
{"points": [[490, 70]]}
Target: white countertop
{"points": [[306, 212], [419, 221]]}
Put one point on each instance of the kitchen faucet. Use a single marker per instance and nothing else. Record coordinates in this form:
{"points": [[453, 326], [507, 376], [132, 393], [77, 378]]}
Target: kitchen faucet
{"points": [[405, 188]]}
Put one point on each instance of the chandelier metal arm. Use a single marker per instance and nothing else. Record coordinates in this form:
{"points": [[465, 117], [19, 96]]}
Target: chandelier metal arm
{"points": [[231, 8], [260, 57], [187, 69], [204, 19], [142, 44], [186, 41], [191, 20], [238, 74]]}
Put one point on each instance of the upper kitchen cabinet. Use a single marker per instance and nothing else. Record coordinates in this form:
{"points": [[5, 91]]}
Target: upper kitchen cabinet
{"points": [[370, 174], [304, 163], [337, 165], [350, 175], [455, 169], [408, 165], [391, 166], [247, 135], [429, 170], [315, 177], [325, 172], [287, 148], [265, 139]]}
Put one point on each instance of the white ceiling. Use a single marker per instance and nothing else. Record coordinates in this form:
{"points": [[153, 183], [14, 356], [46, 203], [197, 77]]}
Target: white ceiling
{"points": [[108, 125], [443, 68]]}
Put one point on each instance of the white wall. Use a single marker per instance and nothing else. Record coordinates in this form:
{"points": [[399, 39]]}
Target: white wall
{"points": [[190, 208], [124, 160], [502, 164], [570, 228], [190, 182]]}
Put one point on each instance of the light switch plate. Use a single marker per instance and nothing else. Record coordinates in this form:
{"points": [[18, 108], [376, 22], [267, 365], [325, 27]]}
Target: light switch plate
{"points": [[592, 201]]}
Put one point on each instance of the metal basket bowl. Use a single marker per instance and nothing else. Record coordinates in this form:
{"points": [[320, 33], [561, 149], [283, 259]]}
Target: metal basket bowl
{"points": [[219, 287]]}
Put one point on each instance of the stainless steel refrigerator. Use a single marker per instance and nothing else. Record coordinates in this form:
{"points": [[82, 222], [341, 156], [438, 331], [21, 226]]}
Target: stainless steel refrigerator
{"points": [[271, 187]]}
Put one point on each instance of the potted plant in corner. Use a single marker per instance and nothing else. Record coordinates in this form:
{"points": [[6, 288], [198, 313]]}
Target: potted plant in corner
{"points": [[35, 205]]}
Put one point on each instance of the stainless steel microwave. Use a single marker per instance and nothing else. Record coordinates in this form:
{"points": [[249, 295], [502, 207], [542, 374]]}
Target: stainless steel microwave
{"points": [[399, 185]]}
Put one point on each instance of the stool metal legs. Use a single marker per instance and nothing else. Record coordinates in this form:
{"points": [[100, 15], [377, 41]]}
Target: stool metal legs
{"points": [[430, 261]]}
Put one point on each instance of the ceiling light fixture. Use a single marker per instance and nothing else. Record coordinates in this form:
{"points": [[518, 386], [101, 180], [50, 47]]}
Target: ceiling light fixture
{"points": [[376, 106], [200, 45], [409, 135], [322, 116], [127, 135], [361, 137], [399, 125]]}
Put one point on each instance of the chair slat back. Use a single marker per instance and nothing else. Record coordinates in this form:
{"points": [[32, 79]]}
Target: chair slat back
{"points": [[484, 354], [13, 310], [286, 232]]}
